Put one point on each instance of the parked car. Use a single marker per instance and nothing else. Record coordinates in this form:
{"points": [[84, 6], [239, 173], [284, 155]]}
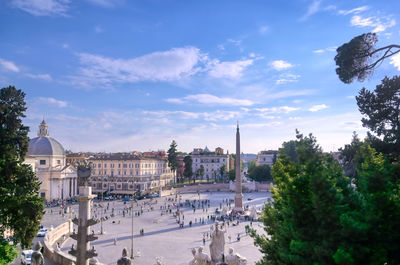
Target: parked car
{"points": [[126, 199], [42, 232], [26, 257]]}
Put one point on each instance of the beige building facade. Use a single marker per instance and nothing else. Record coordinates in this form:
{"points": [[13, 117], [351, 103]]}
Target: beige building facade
{"points": [[124, 173]]}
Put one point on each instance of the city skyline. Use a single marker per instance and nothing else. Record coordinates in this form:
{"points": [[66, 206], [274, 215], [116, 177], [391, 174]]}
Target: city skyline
{"points": [[121, 76]]}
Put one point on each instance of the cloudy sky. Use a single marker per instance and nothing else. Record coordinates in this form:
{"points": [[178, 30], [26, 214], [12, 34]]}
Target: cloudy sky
{"points": [[119, 75]]}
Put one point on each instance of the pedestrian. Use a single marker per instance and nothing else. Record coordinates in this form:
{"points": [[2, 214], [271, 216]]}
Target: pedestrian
{"points": [[115, 241], [230, 238], [204, 241]]}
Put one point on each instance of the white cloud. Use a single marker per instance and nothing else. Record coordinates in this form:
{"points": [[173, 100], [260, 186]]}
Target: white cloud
{"points": [[329, 49], [287, 78], [169, 65], [65, 46], [53, 101], [313, 8], [282, 109], [8, 65], [373, 22], [229, 69], [45, 77], [280, 65], [356, 10], [395, 60], [318, 107], [211, 100], [207, 116], [43, 7]]}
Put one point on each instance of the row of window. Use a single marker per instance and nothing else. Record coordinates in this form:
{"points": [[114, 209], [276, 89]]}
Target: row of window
{"points": [[125, 173], [217, 160], [43, 162], [130, 165]]}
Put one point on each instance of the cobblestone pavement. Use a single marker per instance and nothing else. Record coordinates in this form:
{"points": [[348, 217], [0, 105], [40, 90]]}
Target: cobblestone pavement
{"points": [[162, 237]]}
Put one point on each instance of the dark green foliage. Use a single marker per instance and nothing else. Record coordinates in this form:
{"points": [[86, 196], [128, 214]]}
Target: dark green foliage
{"points": [[317, 217], [381, 110], [173, 156], [201, 170], [222, 171], [260, 173], [359, 57], [348, 155], [311, 198], [188, 171], [21, 209], [7, 253], [232, 174]]}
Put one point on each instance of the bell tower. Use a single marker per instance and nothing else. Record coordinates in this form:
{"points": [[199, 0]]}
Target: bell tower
{"points": [[43, 129]]}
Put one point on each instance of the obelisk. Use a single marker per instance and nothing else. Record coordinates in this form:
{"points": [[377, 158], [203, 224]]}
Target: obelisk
{"points": [[238, 176]]}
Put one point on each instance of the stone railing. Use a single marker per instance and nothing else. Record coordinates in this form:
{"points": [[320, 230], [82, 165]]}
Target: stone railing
{"points": [[50, 240]]}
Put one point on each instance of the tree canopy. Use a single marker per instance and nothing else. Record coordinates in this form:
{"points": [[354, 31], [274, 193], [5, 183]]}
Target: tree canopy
{"points": [[260, 173], [318, 217], [21, 209], [359, 57], [173, 156], [381, 110], [188, 171]]}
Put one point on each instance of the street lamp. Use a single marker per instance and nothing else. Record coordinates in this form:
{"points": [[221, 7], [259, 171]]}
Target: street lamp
{"points": [[133, 196]]}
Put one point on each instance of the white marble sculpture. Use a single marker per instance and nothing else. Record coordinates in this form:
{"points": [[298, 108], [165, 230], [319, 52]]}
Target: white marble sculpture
{"points": [[37, 257], [193, 261], [217, 245], [202, 258], [235, 258]]}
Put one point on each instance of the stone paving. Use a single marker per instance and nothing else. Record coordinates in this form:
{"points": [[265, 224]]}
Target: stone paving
{"points": [[163, 237]]}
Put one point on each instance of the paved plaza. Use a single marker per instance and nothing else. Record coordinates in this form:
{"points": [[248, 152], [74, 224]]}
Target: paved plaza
{"points": [[162, 236]]}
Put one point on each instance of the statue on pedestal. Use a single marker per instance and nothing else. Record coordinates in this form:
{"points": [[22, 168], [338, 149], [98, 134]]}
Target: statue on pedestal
{"points": [[124, 260], [37, 256], [235, 259], [84, 170], [217, 245], [202, 258]]}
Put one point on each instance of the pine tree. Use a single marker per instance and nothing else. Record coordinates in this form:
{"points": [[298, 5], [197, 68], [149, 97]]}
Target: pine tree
{"points": [[21, 209]]}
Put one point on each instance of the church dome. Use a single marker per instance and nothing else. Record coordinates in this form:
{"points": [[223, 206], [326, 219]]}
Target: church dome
{"points": [[43, 145]]}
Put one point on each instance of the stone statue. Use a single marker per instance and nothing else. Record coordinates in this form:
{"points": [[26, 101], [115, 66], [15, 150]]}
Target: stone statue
{"points": [[202, 258], [124, 260], [84, 171], [235, 259], [37, 256], [217, 245], [193, 261]]}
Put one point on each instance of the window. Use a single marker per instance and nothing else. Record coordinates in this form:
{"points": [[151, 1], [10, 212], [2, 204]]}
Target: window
{"points": [[105, 165], [119, 165], [43, 162], [99, 165], [58, 162], [125, 165]]}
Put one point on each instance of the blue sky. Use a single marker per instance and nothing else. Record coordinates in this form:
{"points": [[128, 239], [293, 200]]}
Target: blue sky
{"points": [[119, 75]]}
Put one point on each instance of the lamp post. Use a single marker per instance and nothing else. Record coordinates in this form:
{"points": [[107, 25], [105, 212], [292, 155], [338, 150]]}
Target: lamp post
{"points": [[133, 196]]}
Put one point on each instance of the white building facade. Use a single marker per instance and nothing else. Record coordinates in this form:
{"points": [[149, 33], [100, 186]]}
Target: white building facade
{"points": [[211, 161], [267, 158], [47, 158]]}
